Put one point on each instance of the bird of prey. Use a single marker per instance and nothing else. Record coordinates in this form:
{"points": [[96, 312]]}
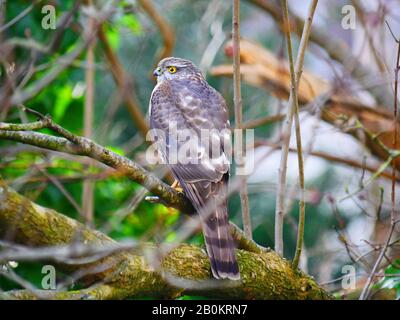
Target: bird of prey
{"points": [[183, 101]]}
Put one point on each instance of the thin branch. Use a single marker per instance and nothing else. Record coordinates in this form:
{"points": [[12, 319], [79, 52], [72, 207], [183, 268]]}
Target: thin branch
{"points": [[238, 105], [60, 187], [366, 290], [31, 91], [391, 157], [88, 185], [124, 82], [72, 144], [262, 69], [361, 15], [164, 28], [295, 74], [17, 18], [280, 195], [333, 158], [62, 23], [254, 123], [37, 125], [336, 48], [395, 112], [63, 62], [296, 77]]}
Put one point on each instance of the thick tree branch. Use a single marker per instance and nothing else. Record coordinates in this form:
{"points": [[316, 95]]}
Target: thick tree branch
{"points": [[126, 273]]}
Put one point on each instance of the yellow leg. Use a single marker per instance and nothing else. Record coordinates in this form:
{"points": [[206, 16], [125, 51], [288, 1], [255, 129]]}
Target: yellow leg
{"points": [[176, 186]]}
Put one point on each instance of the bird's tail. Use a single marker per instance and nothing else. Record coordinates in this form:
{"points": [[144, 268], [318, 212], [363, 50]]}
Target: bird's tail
{"points": [[220, 245], [213, 211]]}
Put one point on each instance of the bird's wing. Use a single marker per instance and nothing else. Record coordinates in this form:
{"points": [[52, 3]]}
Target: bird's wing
{"points": [[193, 112]]}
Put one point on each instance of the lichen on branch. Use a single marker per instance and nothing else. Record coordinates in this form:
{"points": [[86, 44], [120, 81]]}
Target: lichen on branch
{"points": [[127, 273]]}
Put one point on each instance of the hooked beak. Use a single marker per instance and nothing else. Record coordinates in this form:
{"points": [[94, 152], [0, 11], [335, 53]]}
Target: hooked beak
{"points": [[157, 72]]}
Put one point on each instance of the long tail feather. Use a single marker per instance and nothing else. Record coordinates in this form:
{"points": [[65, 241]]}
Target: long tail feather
{"points": [[219, 243], [220, 247]]}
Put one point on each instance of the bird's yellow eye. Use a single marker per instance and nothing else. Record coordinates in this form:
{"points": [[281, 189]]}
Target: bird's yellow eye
{"points": [[171, 69]]}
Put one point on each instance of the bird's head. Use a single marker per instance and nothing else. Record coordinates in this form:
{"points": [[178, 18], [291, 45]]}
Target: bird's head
{"points": [[176, 68]]}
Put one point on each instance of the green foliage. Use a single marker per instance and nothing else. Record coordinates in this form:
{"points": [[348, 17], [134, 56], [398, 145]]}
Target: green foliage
{"points": [[392, 278]]}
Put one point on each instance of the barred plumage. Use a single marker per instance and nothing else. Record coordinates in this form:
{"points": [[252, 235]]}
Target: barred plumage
{"points": [[183, 96]]}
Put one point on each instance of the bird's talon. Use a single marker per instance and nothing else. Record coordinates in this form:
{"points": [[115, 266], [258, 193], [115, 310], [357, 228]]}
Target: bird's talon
{"points": [[176, 186]]}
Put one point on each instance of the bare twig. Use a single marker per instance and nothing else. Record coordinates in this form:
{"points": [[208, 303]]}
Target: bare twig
{"points": [[88, 185], [125, 85], [164, 28], [60, 187], [295, 74], [19, 96], [391, 154], [23, 127], [366, 290], [70, 143], [296, 77], [336, 48], [250, 124], [237, 98], [17, 18], [361, 15], [332, 158], [280, 195]]}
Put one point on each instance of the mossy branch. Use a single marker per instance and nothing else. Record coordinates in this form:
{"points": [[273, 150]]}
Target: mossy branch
{"points": [[127, 273]]}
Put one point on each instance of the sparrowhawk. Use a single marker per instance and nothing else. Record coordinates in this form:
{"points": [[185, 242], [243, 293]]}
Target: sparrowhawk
{"points": [[183, 101]]}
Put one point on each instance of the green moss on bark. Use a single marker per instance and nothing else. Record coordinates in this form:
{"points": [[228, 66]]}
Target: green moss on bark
{"points": [[184, 270]]}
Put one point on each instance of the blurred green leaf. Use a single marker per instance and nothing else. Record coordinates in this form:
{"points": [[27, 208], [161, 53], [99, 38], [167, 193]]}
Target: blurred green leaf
{"points": [[392, 278], [63, 100], [130, 22], [117, 150], [112, 36]]}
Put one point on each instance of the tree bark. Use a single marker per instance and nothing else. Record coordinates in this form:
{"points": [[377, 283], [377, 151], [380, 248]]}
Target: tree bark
{"points": [[127, 273]]}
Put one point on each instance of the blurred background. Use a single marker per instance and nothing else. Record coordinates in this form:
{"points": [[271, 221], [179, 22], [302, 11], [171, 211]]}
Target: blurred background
{"points": [[349, 69]]}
